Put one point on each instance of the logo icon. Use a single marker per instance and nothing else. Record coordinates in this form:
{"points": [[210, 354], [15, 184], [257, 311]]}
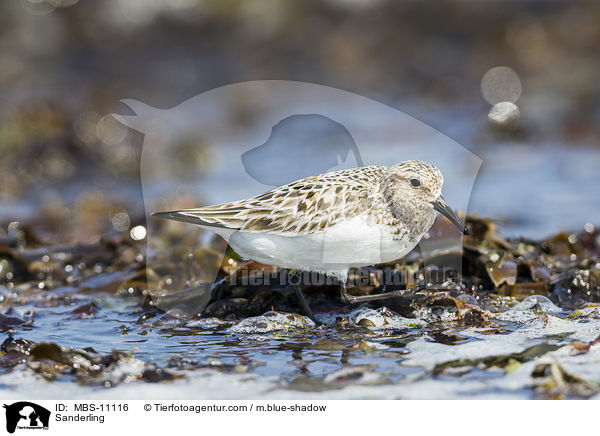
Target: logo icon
{"points": [[301, 146], [26, 415]]}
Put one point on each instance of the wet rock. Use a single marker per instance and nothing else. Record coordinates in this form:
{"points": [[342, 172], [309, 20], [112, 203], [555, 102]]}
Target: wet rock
{"points": [[371, 347], [551, 380], [225, 307], [327, 345], [382, 318], [474, 318], [188, 302], [107, 282], [348, 375], [12, 358], [498, 361], [447, 338], [271, 322], [574, 289], [362, 375], [85, 310], [504, 272], [157, 375], [53, 362], [8, 322], [582, 348], [587, 312], [539, 274], [442, 309], [523, 290]]}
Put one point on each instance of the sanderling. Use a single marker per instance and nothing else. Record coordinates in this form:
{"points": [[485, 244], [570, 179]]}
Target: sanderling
{"points": [[334, 221]]}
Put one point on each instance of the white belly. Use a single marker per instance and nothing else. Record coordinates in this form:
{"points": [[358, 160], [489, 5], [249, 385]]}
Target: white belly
{"points": [[351, 243]]}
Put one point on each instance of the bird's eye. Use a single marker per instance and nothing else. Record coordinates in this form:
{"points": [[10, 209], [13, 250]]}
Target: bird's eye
{"points": [[415, 182]]}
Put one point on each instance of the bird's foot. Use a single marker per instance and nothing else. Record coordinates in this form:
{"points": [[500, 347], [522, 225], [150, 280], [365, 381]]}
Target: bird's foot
{"points": [[347, 298]]}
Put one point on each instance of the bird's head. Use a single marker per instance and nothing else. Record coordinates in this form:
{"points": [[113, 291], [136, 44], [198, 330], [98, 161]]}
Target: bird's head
{"points": [[417, 186]]}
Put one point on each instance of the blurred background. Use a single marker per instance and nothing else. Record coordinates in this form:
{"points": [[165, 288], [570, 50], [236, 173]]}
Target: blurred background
{"points": [[514, 82]]}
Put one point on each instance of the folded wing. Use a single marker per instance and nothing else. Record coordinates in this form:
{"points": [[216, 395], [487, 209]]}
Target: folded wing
{"points": [[302, 207]]}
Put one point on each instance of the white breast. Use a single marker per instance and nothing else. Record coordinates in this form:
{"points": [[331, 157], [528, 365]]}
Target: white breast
{"points": [[350, 243]]}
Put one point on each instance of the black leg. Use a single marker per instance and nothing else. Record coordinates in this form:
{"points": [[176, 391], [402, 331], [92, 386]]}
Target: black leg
{"points": [[304, 304], [347, 298], [344, 295]]}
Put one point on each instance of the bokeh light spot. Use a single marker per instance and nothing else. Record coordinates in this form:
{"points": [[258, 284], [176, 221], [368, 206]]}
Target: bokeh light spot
{"points": [[121, 221], [138, 232], [110, 131]]}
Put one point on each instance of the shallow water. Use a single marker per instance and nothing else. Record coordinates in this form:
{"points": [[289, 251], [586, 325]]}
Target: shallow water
{"points": [[285, 356]]}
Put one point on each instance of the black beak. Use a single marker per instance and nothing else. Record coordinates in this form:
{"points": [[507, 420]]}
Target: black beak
{"points": [[442, 207]]}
